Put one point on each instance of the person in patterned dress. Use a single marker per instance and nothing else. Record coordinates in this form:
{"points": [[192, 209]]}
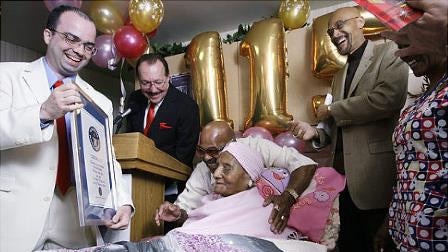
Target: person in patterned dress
{"points": [[418, 213]]}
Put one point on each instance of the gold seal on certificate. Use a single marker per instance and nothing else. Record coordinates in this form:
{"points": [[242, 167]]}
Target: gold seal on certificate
{"points": [[92, 163]]}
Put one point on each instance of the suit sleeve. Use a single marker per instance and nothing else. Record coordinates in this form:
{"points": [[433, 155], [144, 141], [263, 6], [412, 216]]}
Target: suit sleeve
{"points": [[20, 122], [383, 101], [187, 134]]}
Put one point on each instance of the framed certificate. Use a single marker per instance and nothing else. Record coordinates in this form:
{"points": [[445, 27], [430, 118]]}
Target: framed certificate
{"points": [[93, 163]]}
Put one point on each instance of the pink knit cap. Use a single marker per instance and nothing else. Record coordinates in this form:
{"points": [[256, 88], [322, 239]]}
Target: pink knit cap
{"points": [[249, 159]]}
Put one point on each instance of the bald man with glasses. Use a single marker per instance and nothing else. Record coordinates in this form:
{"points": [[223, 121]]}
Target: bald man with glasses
{"points": [[214, 137], [368, 94]]}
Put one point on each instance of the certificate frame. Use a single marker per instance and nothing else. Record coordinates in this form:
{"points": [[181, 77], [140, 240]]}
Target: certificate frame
{"points": [[93, 163]]}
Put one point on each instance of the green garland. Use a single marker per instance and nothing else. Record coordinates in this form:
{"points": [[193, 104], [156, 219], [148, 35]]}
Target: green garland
{"points": [[177, 48], [168, 49]]}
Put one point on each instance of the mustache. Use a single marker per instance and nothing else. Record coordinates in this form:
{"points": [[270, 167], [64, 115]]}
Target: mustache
{"points": [[211, 161]]}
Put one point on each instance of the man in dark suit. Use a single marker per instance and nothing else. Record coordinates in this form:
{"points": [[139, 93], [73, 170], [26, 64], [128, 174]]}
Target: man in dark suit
{"points": [[163, 113]]}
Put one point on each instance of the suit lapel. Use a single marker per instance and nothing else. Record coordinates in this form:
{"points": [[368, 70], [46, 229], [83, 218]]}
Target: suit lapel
{"points": [[35, 77], [338, 84], [366, 60]]}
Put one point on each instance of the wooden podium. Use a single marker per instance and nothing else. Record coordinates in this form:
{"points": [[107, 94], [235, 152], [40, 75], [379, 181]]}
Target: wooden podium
{"points": [[149, 168]]}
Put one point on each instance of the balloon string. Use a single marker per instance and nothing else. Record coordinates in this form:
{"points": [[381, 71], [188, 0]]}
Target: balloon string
{"points": [[123, 90]]}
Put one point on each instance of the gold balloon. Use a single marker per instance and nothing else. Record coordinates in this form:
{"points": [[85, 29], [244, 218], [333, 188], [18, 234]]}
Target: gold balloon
{"points": [[373, 27], [294, 13], [106, 16], [264, 46], [326, 60], [205, 60], [146, 15], [316, 101]]}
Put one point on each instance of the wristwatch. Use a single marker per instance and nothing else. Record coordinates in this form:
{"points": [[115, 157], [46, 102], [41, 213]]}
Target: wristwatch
{"points": [[293, 193]]}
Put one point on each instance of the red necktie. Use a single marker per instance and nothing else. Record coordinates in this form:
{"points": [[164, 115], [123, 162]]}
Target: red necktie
{"points": [[149, 118], [63, 175]]}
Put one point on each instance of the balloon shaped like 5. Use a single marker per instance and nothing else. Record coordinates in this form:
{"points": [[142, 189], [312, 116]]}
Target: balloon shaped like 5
{"points": [[51, 4], [146, 15], [372, 27], [326, 59], [129, 42], [206, 63], [106, 16], [316, 101], [294, 13], [264, 46]]}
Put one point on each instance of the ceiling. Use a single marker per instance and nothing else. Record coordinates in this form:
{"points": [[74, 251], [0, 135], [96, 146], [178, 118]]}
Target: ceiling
{"points": [[22, 22]]}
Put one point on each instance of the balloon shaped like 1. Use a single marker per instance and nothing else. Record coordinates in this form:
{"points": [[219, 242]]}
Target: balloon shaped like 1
{"points": [[294, 13], [258, 132], [205, 60], [146, 15], [326, 60], [106, 16], [51, 4], [264, 46]]}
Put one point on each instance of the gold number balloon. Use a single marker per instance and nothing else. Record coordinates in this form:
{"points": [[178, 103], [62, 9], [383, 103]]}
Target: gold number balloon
{"points": [[326, 60], [294, 13], [106, 16], [205, 60], [316, 101], [372, 27], [146, 15], [264, 46]]}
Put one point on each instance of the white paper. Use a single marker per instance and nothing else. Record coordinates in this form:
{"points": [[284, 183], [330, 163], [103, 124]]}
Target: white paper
{"points": [[95, 156]]}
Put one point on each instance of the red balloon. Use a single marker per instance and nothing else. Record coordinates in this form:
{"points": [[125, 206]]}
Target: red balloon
{"points": [[258, 132], [129, 42], [289, 140]]}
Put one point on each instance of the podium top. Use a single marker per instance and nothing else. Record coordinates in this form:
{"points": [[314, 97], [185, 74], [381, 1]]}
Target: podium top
{"points": [[135, 151]]}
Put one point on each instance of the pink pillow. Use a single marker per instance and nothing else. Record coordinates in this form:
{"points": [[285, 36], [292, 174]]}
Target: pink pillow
{"points": [[310, 213]]}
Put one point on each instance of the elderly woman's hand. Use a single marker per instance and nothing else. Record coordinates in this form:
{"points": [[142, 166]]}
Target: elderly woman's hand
{"points": [[280, 212], [167, 212]]}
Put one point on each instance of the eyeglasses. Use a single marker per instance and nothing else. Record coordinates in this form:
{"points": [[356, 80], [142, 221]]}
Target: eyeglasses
{"points": [[212, 151], [338, 26], [157, 83], [75, 41]]}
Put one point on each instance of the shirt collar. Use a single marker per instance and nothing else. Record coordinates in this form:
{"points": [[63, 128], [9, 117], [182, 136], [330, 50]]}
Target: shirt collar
{"points": [[52, 76], [357, 54]]}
